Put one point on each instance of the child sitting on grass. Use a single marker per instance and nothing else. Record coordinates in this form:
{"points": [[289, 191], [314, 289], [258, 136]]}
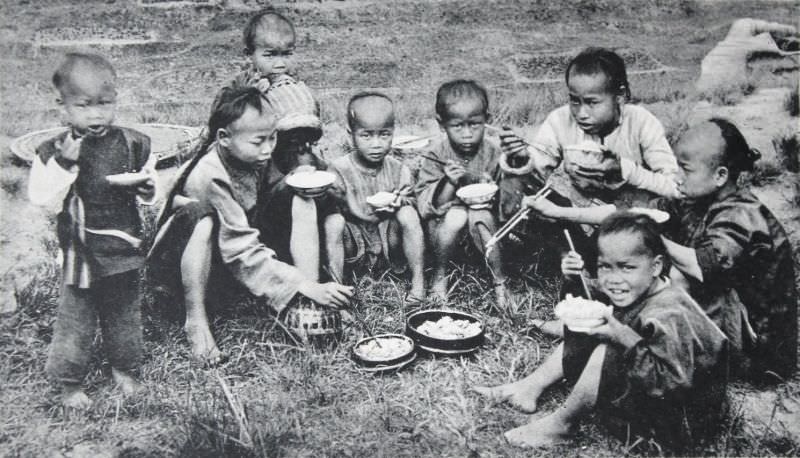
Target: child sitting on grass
{"points": [[99, 227], [637, 159], [657, 363], [367, 170], [205, 234], [734, 252], [462, 110]]}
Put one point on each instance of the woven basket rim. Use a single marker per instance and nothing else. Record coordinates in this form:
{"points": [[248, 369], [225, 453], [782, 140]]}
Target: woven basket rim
{"points": [[22, 147]]}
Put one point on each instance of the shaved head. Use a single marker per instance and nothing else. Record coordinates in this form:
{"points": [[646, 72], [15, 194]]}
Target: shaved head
{"points": [[370, 110]]}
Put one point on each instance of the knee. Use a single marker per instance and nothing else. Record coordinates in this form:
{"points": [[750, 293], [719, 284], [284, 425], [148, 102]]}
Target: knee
{"points": [[408, 218], [483, 216], [455, 219]]}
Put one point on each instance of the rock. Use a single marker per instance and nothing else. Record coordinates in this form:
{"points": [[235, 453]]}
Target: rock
{"points": [[766, 411]]}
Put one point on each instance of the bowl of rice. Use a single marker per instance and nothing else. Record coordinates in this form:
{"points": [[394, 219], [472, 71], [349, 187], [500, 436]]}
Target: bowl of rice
{"points": [[478, 195], [310, 184], [442, 331], [384, 351]]}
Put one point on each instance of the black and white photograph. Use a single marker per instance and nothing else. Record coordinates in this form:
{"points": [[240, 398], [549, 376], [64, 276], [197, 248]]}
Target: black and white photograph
{"points": [[399, 228]]}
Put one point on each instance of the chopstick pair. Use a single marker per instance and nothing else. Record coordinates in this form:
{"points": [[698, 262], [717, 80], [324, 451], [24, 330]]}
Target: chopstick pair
{"points": [[352, 308], [512, 222], [583, 280]]}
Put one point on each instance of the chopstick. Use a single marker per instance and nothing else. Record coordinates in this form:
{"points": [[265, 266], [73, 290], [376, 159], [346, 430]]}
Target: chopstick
{"points": [[352, 308], [514, 220], [433, 159], [583, 280]]}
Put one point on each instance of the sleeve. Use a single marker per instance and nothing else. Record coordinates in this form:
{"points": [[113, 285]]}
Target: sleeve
{"points": [[660, 167], [249, 260], [147, 162], [429, 184], [662, 362], [732, 233], [545, 151], [339, 190], [51, 176]]}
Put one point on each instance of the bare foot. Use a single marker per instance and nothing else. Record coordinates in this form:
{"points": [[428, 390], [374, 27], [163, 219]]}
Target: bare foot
{"points": [[73, 397], [519, 394], [543, 432], [439, 287], [127, 383], [204, 348]]}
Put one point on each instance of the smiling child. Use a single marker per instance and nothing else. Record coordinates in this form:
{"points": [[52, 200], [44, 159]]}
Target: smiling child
{"points": [[657, 365]]}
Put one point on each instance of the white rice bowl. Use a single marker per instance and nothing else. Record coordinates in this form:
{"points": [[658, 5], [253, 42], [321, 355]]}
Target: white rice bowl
{"points": [[311, 180], [381, 199]]}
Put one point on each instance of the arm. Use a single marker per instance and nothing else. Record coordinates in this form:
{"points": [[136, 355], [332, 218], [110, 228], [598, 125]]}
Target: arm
{"points": [[53, 171], [249, 260], [429, 183], [684, 259], [406, 182], [582, 215], [657, 173]]}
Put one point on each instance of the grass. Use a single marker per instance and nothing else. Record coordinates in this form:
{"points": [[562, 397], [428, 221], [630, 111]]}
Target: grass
{"points": [[304, 401]]}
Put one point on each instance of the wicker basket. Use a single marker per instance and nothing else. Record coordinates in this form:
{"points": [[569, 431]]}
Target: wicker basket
{"points": [[313, 323], [171, 143]]}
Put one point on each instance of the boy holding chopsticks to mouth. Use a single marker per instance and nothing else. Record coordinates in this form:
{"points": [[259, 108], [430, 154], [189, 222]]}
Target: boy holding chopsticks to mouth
{"points": [[375, 191]]}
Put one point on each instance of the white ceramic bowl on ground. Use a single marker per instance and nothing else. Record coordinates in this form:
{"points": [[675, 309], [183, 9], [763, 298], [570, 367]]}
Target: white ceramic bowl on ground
{"points": [[478, 195]]}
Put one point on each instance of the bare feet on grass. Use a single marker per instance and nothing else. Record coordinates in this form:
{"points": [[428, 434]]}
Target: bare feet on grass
{"points": [[73, 397], [503, 298], [542, 432], [204, 348], [519, 394], [126, 382]]}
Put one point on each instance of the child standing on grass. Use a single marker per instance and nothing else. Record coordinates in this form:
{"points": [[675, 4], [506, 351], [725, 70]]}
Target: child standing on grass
{"points": [[99, 227], [205, 235], [462, 110], [734, 253], [657, 366], [367, 170], [637, 159]]}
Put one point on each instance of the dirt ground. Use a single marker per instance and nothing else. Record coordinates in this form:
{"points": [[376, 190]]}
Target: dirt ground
{"points": [[316, 403]]}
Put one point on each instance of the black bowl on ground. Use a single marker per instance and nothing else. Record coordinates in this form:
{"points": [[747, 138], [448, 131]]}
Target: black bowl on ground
{"points": [[384, 357], [445, 346]]}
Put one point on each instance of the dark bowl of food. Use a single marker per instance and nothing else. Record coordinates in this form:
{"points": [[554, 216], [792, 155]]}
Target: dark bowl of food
{"points": [[448, 332], [384, 352]]}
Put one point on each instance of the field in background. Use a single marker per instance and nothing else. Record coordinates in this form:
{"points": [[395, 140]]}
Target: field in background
{"points": [[312, 403]]}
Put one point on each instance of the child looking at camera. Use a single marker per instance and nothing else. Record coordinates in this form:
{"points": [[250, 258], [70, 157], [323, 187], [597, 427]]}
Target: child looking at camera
{"points": [[462, 156], [99, 227], [393, 230], [734, 252], [654, 365], [206, 240]]}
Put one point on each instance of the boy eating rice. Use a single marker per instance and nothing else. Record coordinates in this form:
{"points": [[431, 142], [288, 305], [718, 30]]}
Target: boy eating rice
{"points": [[364, 172], [462, 110], [99, 228]]}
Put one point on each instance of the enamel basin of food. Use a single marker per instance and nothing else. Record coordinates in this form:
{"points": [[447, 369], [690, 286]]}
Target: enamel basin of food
{"points": [[384, 348], [381, 200], [311, 184], [128, 179], [657, 215], [478, 195], [580, 314], [448, 328]]}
